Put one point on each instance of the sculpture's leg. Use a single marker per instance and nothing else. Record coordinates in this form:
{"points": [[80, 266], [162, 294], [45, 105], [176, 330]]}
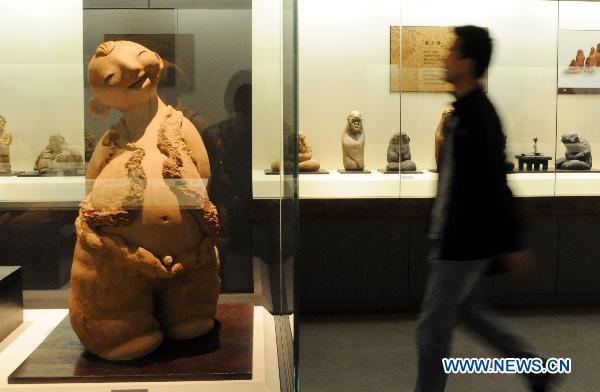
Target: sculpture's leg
{"points": [[112, 314], [186, 305]]}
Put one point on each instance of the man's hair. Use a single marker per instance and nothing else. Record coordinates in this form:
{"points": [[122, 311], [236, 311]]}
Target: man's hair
{"points": [[475, 43]]}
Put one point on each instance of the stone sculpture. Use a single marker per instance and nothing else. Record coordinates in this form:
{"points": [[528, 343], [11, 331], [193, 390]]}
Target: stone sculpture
{"points": [[578, 155], [598, 55], [58, 157], [5, 142], [145, 265], [398, 154], [353, 143], [305, 161]]}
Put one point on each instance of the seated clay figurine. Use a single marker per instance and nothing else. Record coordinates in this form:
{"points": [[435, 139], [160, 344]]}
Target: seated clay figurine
{"points": [[5, 142], [590, 61], [145, 265], [353, 143], [578, 155], [598, 55], [578, 63], [58, 156], [305, 161], [398, 154]]}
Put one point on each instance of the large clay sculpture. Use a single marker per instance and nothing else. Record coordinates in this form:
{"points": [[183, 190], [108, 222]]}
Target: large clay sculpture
{"points": [[353, 143], [578, 155], [305, 161], [398, 154], [5, 142], [145, 265], [58, 157]]}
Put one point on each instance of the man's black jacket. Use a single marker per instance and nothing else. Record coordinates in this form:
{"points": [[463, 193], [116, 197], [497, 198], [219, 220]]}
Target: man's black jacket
{"points": [[481, 221]]}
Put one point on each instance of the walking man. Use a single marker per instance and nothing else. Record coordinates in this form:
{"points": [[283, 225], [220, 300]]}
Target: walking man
{"points": [[473, 219]]}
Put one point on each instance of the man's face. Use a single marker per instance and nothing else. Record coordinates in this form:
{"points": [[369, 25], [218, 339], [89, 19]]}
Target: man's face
{"points": [[457, 67]]}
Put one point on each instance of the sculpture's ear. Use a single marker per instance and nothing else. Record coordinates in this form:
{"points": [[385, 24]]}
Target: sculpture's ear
{"points": [[97, 108]]}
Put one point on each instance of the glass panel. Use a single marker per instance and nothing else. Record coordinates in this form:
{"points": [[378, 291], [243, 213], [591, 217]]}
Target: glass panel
{"points": [[578, 87], [80, 121], [520, 82], [344, 51]]}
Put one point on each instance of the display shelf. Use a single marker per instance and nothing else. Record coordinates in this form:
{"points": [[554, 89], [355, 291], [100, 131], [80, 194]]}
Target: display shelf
{"points": [[41, 189], [422, 185], [325, 186], [39, 323]]}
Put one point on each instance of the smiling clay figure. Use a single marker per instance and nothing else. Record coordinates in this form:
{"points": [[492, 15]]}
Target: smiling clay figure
{"points": [[145, 265]]}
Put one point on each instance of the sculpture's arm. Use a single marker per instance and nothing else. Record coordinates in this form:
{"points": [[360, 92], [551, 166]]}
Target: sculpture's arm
{"points": [[97, 162], [194, 141]]}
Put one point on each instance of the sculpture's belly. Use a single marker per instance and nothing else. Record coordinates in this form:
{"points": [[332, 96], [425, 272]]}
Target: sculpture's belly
{"points": [[163, 226]]}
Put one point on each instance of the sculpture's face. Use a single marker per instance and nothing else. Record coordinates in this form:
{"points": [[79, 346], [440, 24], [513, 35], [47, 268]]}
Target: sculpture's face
{"points": [[355, 122], [123, 74], [301, 141], [2, 122], [55, 143], [571, 138]]}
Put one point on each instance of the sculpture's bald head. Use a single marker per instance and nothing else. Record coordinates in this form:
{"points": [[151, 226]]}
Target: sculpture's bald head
{"points": [[124, 74]]}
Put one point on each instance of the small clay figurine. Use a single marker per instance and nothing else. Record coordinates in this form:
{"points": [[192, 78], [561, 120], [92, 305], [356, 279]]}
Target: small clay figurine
{"points": [[305, 161], [573, 68], [353, 143], [580, 58], [58, 157], [5, 142], [398, 154], [590, 61], [439, 132], [598, 55], [145, 265], [578, 155]]}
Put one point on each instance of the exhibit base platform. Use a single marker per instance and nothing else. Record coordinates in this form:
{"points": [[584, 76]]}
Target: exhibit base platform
{"points": [[45, 355], [11, 300]]}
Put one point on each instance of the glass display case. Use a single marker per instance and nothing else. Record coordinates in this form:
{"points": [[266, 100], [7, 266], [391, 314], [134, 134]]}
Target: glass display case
{"points": [[128, 135], [385, 60]]}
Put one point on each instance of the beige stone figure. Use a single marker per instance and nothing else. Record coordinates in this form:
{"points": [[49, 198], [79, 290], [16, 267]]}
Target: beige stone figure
{"points": [[58, 156], [353, 143], [145, 265], [5, 142], [305, 161], [439, 132]]}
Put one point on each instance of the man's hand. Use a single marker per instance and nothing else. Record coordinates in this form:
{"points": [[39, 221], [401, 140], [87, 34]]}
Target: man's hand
{"points": [[520, 263]]}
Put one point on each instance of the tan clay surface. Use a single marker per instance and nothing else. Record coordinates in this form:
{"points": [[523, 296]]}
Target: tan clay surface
{"points": [[145, 264]]}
